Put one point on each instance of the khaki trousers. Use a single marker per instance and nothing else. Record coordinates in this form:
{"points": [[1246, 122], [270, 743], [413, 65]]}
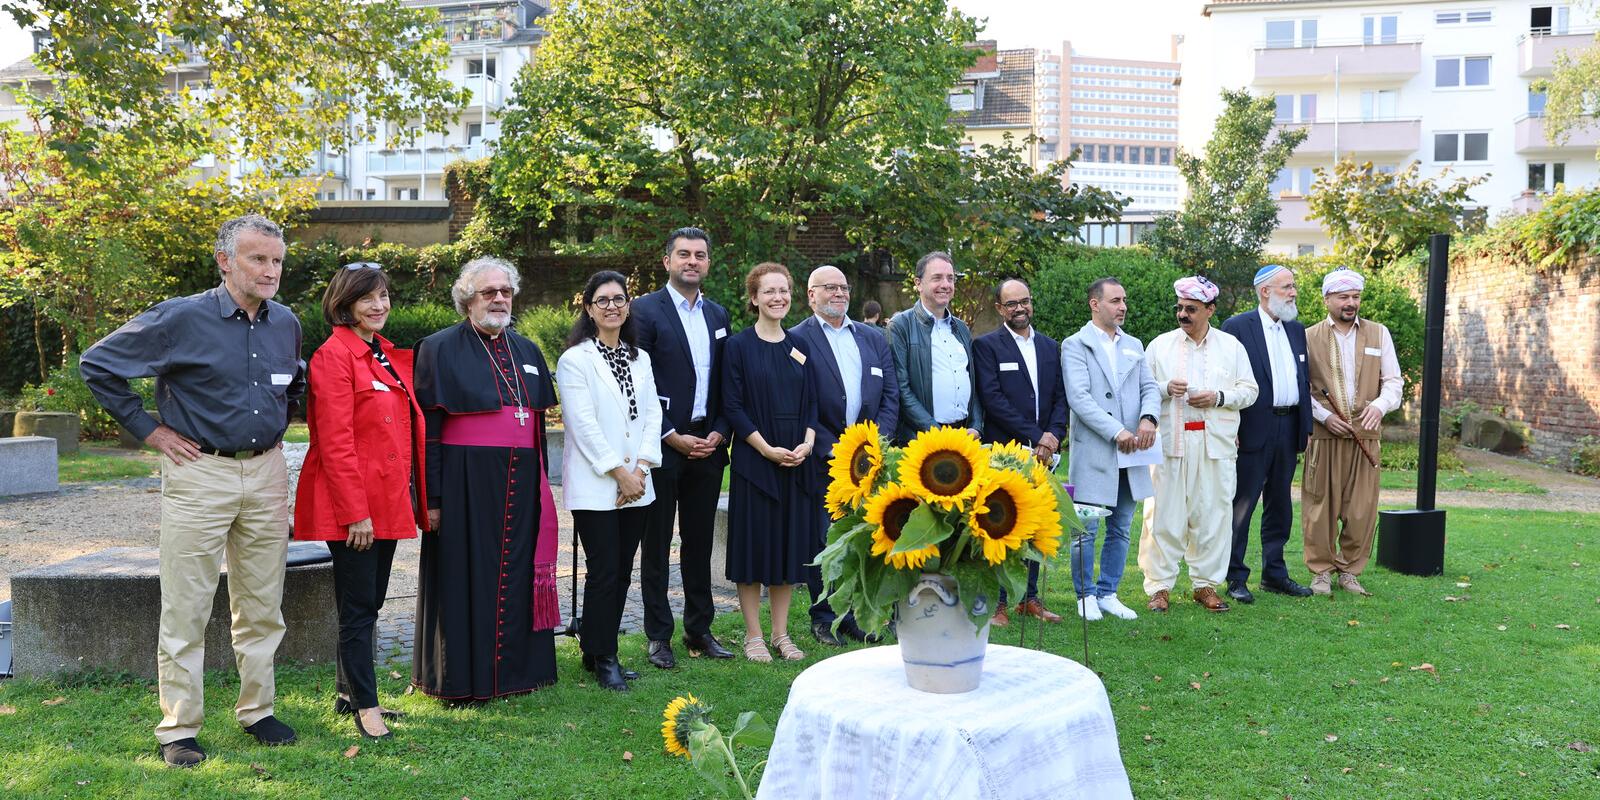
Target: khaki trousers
{"points": [[1192, 518], [1338, 486], [211, 507]]}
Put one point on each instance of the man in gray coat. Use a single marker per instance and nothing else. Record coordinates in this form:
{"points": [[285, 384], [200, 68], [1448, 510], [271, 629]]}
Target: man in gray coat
{"points": [[1115, 402], [933, 356]]}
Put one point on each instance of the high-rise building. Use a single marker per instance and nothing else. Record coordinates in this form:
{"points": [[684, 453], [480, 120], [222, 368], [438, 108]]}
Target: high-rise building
{"points": [[1119, 124], [1447, 84]]}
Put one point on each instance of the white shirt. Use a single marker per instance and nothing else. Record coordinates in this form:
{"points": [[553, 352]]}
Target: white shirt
{"points": [[1390, 382], [1030, 358], [1280, 358], [1108, 344], [694, 327], [952, 384], [845, 351]]}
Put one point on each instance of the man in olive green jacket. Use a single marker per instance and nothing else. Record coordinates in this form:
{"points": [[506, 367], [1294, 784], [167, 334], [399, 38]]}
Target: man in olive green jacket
{"points": [[933, 356]]}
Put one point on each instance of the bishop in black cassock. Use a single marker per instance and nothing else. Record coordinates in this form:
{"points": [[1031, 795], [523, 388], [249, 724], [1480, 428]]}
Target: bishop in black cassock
{"points": [[486, 598]]}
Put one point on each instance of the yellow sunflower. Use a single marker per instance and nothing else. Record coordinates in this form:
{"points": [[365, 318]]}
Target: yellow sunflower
{"points": [[1047, 537], [1012, 455], [1008, 511], [679, 721], [943, 465], [857, 460], [888, 511]]}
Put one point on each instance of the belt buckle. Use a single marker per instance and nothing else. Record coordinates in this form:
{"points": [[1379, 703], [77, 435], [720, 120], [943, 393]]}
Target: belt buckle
{"points": [[243, 455]]}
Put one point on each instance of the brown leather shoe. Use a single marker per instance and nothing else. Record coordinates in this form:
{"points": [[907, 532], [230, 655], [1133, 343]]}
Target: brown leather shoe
{"points": [[1000, 618], [1208, 598], [1035, 608], [1158, 601]]}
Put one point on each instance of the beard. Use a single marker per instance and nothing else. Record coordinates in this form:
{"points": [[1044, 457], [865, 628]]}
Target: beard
{"points": [[493, 321], [1284, 310]]}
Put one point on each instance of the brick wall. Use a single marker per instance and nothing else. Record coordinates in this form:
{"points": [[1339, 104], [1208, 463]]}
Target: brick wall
{"points": [[1529, 341]]}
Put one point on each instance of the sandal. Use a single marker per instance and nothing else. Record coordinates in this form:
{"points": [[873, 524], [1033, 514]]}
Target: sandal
{"points": [[787, 649], [755, 649]]}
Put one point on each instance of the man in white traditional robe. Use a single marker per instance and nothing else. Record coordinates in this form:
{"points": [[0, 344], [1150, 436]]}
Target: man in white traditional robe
{"points": [[1205, 378]]}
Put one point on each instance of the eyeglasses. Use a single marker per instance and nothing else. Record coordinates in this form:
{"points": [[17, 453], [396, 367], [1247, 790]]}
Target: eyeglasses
{"points": [[363, 265], [492, 293], [833, 288], [614, 301], [1013, 305]]}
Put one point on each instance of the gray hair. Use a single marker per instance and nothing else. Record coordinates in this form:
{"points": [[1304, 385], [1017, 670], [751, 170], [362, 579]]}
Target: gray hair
{"points": [[937, 255], [228, 234], [463, 290]]}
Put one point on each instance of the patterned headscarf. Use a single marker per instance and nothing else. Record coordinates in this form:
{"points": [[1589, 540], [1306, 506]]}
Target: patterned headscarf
{"points": [[1195, 288], [1342, 279]]}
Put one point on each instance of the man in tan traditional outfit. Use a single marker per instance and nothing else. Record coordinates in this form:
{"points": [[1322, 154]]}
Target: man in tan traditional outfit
{"points": [[1355, 381], [1205, 377]]}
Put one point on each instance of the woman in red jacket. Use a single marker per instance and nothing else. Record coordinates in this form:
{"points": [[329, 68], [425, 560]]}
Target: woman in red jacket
{"points": [[363, 474]]}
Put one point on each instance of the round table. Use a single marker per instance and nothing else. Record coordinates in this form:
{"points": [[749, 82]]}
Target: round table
{"points": [[1039, 726]]}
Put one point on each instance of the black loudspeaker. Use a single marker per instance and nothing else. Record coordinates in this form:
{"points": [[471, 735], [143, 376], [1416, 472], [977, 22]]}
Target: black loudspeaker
{"points": [[1412, 542]]}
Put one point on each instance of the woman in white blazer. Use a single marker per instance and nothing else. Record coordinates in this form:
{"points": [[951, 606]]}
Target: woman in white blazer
{"points": [[613, 419]]}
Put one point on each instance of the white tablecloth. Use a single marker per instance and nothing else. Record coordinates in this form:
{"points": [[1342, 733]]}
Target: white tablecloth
{"points": [[1039, 726]]}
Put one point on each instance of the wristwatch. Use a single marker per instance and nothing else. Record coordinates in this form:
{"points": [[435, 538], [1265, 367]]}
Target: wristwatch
{"points": [[1153, 420]]}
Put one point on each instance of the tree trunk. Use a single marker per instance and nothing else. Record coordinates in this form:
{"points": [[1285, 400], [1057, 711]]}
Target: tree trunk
{"points": [[38, 342]]}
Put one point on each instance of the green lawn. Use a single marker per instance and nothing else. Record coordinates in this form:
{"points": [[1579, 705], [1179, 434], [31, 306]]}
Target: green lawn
{"points": [[1463, 480], [88, 467], [1313, 698]]}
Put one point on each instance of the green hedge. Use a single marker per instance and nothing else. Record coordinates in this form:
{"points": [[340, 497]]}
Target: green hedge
{"points": [[65, 390], [407, 324], [548, 327], [1061, 287], [415, 276]]}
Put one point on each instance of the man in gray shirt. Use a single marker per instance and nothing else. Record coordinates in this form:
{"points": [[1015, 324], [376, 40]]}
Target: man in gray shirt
{"points": [[227, 367]]}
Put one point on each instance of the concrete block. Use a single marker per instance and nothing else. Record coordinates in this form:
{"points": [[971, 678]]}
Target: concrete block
{"points": [[63, 426], [1490, 432], [8, 421], [102, 611], [719, 550], [27, 465], [556, 440]]}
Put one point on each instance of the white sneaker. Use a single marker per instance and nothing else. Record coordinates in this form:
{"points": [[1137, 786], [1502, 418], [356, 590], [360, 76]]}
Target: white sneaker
{"points": [[1111, 605], [1088, 609]]}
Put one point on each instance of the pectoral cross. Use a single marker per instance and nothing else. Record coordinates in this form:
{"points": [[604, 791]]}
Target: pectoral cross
{"points": [[522, 417]]}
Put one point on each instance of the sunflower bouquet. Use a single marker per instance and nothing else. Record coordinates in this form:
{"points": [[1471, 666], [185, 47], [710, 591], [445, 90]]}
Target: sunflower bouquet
{"points": [[945, 504]]}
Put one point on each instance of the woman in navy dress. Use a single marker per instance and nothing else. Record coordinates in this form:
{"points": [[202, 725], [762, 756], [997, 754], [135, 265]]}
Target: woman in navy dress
{"points": [[773, 505]]}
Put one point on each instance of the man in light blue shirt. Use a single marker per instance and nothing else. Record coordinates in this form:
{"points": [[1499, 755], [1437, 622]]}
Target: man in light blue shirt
{"points": [[933, 356]]}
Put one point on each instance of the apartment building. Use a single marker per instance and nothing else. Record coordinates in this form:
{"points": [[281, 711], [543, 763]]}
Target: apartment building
{"points": [[1446, 84], [1120, 117], [490, 41], [995, 99]]}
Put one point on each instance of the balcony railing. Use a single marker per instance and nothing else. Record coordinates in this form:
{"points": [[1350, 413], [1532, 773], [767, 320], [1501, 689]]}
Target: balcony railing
{"points": [[1356, 60], [426, 161], [1292, 211], [1359, 136], [1536, 50], [1531, 137], [486, 92], [1527, 202]]}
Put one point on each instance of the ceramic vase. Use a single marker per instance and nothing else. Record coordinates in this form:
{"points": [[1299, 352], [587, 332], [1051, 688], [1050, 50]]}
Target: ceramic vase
{"points": [[942, 649]]}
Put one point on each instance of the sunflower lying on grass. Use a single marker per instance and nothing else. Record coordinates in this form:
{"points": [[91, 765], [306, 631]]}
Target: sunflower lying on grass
{"points": [[687, 731], [944, 503]]}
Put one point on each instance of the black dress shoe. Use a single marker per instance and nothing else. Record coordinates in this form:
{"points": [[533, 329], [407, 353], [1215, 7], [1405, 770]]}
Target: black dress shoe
{"points": [[1286, 586], [343, 706], [822, 632], [851, 629], [270, 732], [627, 674], [661, 656], [1238, 591], [706, 644], [182, 753], [608, 673]]}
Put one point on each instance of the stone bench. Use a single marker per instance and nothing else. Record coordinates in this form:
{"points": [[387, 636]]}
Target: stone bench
{"points": [[27, 465], [102, 611], [719, 550]]}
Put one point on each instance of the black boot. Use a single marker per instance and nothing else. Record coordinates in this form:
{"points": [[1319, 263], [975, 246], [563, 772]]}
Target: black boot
{"points": [[608, 673]]}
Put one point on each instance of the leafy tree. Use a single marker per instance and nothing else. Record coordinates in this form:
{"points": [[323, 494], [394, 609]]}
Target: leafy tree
{"points": [[1573, 90], [998, 217], [106, 211], [1377, 217], [1230, 211], [1061, 290], [744, 117]]}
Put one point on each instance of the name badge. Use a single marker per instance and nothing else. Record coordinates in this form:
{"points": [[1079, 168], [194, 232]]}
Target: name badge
{"points": [[666, 403], [1008, 366], [530, 369], [877, 373], [378, 386], [1373, 351], [721, 333], [1302, 356], [794, 353], [280, 379], [1130, 353]]}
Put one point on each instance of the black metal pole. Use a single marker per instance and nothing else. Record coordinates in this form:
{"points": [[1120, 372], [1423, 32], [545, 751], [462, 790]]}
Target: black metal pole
{"points": [[1432, 369]]}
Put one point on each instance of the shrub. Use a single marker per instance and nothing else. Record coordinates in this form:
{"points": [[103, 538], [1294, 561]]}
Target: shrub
{"points": [[407, 324], [1585, 457], [1061, 290], [548, 327], [64, 390], [1404, 455]]}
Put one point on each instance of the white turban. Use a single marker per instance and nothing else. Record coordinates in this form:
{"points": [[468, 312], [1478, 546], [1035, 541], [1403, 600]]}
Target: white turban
{"points": [[1342, 279], [1195, 288]]}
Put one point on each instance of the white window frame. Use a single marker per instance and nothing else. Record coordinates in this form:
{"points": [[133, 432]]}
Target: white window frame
{"points": [[1464, 17], [1373, 107], [1461, 73], [1299, 40], [1560, 20], [1377, 36], [1550, 181], [1461, 148]]}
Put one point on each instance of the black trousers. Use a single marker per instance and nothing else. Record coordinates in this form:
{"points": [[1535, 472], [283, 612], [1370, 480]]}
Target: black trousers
{"points": [[610, 540], [1265, 475], [821, 612], [360, 581], [688, 491]]}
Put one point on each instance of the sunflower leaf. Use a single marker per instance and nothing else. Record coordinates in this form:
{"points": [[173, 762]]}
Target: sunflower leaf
{"points": [[709, 759], [923, 527], [978, 589], [751, 730]]}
